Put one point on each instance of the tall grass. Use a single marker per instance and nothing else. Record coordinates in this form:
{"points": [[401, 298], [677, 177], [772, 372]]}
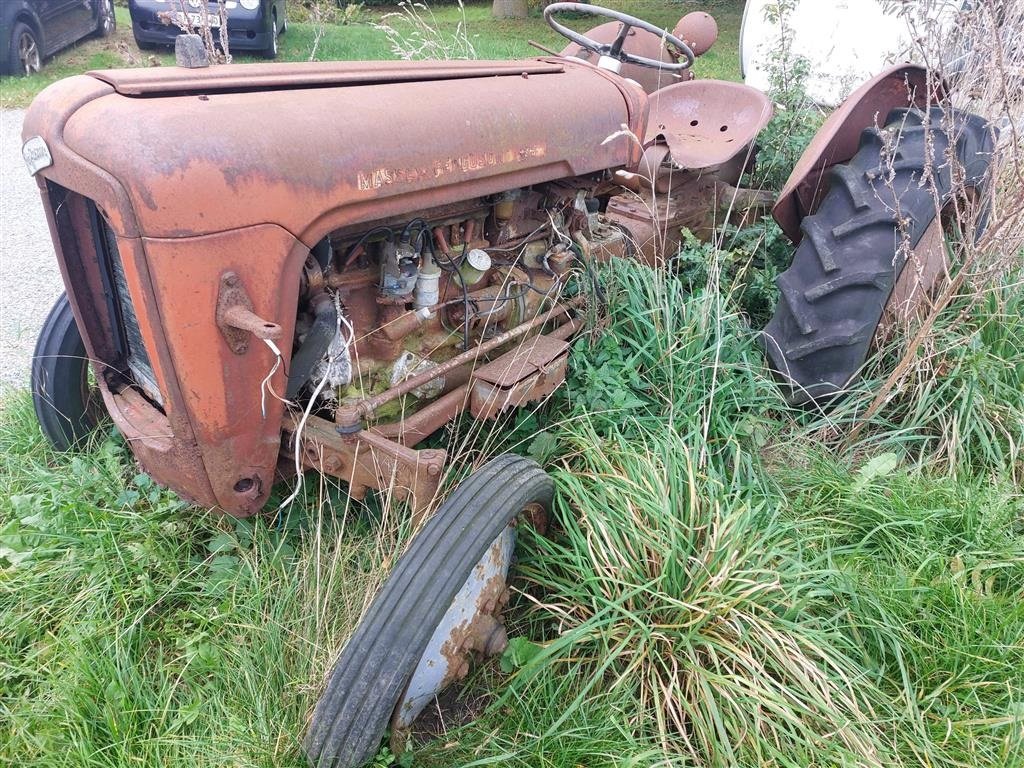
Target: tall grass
{"points": [[137, 631], [723, 588]]}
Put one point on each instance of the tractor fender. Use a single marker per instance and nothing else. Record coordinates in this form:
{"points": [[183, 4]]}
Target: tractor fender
{"points": [[903, 85]]}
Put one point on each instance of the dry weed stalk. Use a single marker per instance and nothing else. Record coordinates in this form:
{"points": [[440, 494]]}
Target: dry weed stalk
{"points": [[981, 60], [180, 17], [413, 33]]}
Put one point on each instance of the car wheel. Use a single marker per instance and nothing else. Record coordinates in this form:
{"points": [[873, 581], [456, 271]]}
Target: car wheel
{"points": [[270, 52], [26, 56], [833, 296], [107, 22], [441, 604], [67, 406]]}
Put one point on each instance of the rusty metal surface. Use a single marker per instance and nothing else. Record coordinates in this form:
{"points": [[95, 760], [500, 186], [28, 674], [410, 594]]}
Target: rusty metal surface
{"points": [[418, 426], [167, 459], [911, 299], [707, 123], [46, 117], [533, 355], [488, 400], [699, 30], [838, 139], [147, 430], [260, 77], [367, 460], [235, 317], [265, 207], [237, 437], [639, 43], [695, 201], [350, 416], [471, 625], [313, 167]]}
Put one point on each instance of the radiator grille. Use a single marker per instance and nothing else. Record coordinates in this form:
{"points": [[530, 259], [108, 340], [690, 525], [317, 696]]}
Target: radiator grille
{"points": [[124, 314]]}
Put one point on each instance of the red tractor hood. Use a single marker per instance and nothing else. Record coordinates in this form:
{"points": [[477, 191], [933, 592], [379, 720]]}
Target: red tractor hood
{"points": [[311, 147]]}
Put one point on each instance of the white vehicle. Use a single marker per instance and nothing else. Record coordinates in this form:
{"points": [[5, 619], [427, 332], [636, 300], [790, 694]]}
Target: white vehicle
{"points": [[845, 42]]}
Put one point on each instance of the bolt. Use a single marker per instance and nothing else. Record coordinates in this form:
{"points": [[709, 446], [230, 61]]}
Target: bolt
{"points": [[433, 470], [497, 642], [332, 463]]}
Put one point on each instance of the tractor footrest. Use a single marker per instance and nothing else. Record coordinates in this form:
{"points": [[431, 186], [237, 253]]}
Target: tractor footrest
{"points": [[529, 372]]}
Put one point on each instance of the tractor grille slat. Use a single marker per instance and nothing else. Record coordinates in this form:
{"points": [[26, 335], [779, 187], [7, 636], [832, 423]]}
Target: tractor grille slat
{"points": [[135, 350]]}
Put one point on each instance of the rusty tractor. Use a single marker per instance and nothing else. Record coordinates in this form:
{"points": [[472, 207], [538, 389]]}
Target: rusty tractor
{"points": [[392, 244]]}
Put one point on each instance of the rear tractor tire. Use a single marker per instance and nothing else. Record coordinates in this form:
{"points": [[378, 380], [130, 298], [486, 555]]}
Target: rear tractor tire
{"points": [[440, 604], [855, 245]]}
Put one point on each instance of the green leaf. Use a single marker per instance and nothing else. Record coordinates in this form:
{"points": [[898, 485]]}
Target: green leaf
{"points": [[542, 447], [518, 654], [880, 466], [222, 542]]}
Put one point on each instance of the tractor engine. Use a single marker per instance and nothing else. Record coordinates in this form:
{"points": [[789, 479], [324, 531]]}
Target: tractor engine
{"points": [[383, 302]]}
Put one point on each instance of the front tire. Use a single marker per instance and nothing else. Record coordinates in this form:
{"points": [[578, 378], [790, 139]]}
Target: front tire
{"points": [[107, 22], [382, 654], [270, 52], [855, 245], [26, 57], [67, 407]]}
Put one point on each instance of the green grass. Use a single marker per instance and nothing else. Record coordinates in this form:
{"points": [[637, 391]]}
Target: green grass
{"points": [[491, 38], [138, 632], [722, 586], [726, 582]]}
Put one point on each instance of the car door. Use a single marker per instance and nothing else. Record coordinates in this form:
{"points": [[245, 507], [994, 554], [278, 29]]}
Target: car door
{"points": [[64, 22]]}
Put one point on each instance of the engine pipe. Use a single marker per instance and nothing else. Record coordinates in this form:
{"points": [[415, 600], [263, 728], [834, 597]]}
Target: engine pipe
{"points": [[349, 418], [315, 345], [420, 425]]}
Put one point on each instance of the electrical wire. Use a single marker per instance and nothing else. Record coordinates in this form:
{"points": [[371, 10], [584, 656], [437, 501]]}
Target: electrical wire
{"points": [[309, 409], [265, 385], [366, 236], [465, 290]]}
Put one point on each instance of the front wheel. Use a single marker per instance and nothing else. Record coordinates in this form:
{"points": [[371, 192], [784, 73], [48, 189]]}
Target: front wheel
{"points": [[441, 602], [270, 52], [107, 22], [26, 57], [67, 406], [855, 245]]}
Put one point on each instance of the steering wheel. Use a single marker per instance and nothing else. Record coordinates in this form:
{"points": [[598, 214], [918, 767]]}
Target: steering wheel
{"points": [[614, 50]]}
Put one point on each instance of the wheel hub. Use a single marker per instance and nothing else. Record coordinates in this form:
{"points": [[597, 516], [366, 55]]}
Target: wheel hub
{"points": [[473, 624], [28, 54]]}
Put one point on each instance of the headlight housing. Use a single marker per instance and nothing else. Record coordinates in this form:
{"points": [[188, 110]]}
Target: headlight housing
{"points": [[250, 5]]}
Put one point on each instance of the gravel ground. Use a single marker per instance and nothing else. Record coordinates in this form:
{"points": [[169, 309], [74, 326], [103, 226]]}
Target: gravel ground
{"points": [[29, 278]]}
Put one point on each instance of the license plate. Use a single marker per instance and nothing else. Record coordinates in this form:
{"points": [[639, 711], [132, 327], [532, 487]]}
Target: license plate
{"points": [[196, 19]]}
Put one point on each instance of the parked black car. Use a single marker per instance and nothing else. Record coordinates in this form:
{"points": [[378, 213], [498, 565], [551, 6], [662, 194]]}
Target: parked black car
{"points": [[32, 30], [253, 25]]}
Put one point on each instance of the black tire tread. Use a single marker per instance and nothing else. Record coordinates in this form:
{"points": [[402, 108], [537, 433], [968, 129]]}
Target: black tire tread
{"points": [[375, 664], [846, 265], [59, 365]]}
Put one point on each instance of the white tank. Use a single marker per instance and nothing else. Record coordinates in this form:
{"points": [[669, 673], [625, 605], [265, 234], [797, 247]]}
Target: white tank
{"points": [[844, 41]]}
